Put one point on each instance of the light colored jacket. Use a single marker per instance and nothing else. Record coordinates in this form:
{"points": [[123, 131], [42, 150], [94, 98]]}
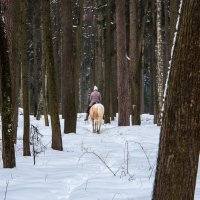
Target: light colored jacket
{"points": [[95, 97]]}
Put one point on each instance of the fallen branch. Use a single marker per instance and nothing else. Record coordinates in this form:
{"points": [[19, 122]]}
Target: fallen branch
{"points": [[7, 183], [101, 159], [150, 166]]}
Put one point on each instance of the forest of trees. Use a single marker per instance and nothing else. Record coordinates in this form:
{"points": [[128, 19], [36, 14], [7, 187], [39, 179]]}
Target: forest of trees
{"points": [[52, 53]]}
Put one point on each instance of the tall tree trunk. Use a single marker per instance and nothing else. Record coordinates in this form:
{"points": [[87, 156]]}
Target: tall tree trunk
{"points": [[114, 65], [159, 66], [15, 65], [79, 54], [44, 85], [8, 152], [68, 72], [36, 40], [141, 65], [25, 77], [179, 146], [152, 57], [56, 35], [134, 64], [114, 94], [122, 66], [52, 90], [166, 45], [108, 63]]}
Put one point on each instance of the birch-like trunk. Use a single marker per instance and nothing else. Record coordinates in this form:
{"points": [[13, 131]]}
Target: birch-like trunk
{"points": [[160, 64]]}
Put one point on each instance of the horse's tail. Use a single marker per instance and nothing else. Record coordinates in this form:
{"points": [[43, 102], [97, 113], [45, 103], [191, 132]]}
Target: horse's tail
{"points": [[100, 110]]}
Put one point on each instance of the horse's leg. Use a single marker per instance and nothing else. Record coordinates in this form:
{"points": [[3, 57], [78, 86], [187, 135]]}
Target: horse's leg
{"points": [[93, 125], [99, 125]]}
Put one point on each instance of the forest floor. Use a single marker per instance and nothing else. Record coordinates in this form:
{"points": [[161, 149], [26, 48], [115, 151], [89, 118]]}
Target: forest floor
{"points": [[117, 164]]}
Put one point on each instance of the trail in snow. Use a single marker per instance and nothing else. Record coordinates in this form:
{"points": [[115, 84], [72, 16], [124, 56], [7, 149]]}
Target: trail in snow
{"points": [[76, 175]]}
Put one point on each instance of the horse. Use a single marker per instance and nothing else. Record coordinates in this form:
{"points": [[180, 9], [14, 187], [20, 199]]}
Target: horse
{"points": [[96, 114]]}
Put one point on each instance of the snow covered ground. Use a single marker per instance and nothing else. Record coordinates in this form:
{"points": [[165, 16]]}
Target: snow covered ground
{"points": [[118, 164]]}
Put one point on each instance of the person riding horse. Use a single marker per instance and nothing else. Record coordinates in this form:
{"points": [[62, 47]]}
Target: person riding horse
{"points": [[94, 98]]}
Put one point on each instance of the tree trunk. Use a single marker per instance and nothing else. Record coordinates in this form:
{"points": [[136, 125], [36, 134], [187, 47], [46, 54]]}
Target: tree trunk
{"points": [[56, 35], [79, 54], [68, 71], [15, 66], [52, 90], [122, 66], [159, 66], [141, 66], [114, 65], [8, 152], [36, 40], [25, 77], [134, 64], [108, 63], [152, 57], [166, 46], [179, 146]]}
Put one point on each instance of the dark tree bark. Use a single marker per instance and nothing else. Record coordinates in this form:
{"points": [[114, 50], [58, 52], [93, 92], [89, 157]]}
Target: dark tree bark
{"points": [[79, 54], [134, 64], [180, 139], [152, 57], [113, 89], [15, 65], [44, 73], [25, 77], [52, 90], [36, 46], [108, 63], [56, 35], [122, 66], [166, 44], [68, 71], [113, 73], [8, 152], [141, 66]]}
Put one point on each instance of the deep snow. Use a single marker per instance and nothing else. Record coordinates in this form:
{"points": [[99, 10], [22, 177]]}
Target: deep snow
{"points": [[79, 172]]}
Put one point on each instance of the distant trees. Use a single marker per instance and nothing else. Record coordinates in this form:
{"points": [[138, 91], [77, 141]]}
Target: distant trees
{"points": [[179, 146]]}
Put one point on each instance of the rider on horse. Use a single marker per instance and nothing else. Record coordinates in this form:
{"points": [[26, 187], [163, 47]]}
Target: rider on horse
{"points": [[94, 98]]}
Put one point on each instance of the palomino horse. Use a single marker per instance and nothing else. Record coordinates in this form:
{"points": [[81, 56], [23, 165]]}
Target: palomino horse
{"points": [[96, 114]]}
